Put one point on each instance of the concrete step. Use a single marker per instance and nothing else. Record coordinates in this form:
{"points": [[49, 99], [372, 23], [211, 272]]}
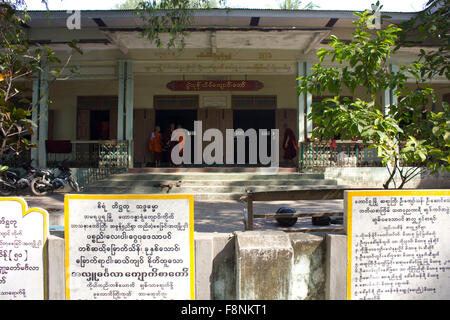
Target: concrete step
{"points": [[208, 183], [204, 195], [206, 189], [212, 176], [213, 169], [211, 183], [255, 182]]}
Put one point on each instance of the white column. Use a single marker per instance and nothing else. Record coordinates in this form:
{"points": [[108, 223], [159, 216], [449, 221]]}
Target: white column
{"points": [[121, 97], [35, 118], [129, 105], [388, 97], [308, 103], [301, 105], [304, 105], [386, 100], [309, 124], [43, 116], [394, 98]]}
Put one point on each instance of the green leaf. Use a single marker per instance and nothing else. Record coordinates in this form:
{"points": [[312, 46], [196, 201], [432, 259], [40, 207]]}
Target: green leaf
{"points": [[447, 137]]}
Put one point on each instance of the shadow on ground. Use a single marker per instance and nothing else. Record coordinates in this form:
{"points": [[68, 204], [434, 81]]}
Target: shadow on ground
{"points": [[223, 216]]}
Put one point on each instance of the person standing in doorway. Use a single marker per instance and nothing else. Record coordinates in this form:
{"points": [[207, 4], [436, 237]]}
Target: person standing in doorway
{"points": [[168, 144], [289, 145], [181, 142], [155, 145]]}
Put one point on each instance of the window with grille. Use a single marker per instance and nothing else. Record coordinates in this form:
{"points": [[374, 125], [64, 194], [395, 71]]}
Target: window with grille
{"points": [[254, 102], [176, 102]]}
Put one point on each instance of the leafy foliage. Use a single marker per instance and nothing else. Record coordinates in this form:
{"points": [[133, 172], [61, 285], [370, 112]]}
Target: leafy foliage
{"points": [[432, 24], [170, 17], [296, 5], [408, 133], [18, 61], [128, 4]]}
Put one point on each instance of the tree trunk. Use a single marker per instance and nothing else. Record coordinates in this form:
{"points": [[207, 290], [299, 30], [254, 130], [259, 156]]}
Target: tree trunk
{"points": [[391, 174]]}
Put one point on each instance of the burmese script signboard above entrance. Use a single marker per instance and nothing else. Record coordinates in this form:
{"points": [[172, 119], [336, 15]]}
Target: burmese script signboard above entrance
{"points": [[398, 244], [129, 247], [215, 85]]}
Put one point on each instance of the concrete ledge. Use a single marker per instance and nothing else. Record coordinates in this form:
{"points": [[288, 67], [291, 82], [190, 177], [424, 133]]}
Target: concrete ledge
{"points": [[374, 177], [56, 268], [336, 267], [263, 265], [304, 243], [223, 277], [308, 271], [214, 266], [203, 248]]}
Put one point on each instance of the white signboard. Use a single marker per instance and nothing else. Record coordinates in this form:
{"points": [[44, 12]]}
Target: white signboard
{"points": [[398, 244], [129, 247], [215, 101], [23, 235]]}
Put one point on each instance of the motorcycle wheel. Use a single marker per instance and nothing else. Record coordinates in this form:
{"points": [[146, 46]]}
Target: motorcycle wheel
{"points": [[38, 188], [73, 184], [5, 190]]}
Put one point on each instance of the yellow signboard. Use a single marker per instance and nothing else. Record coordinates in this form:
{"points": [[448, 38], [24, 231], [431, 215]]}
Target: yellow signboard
{"points": [[398, 244], [23, 250], [129, 247]]}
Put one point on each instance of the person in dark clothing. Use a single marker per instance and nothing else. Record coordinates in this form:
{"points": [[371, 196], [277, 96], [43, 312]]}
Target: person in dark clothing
{"points": [[289, 145], [168, 144]]}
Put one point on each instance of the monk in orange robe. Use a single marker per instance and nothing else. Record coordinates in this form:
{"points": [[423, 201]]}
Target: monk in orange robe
{"points": [[155, 145]]}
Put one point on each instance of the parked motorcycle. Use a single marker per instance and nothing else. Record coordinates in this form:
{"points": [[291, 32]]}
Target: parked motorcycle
{"points": [[46, 181], [13, 180]]}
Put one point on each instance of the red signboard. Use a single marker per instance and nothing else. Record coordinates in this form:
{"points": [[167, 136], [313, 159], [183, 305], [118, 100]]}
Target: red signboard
{"points": [[215, 85]]}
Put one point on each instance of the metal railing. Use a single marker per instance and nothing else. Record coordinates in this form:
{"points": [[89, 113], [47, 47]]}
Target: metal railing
{"points": [[346, 153], [91, 154]]}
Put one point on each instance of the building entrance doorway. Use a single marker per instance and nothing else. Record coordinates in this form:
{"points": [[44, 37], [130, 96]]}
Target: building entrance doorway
{"points": [[99, 124], [179, 118], [180, 110], [184, 118], [253, 119], [96, 118]]}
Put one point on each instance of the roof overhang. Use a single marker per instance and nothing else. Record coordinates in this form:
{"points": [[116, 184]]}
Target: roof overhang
{"points": [[212, 17], [298, 40]]}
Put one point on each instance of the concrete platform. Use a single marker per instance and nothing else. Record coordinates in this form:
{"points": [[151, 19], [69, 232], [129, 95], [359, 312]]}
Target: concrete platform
{"points": [[207, 185]]}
